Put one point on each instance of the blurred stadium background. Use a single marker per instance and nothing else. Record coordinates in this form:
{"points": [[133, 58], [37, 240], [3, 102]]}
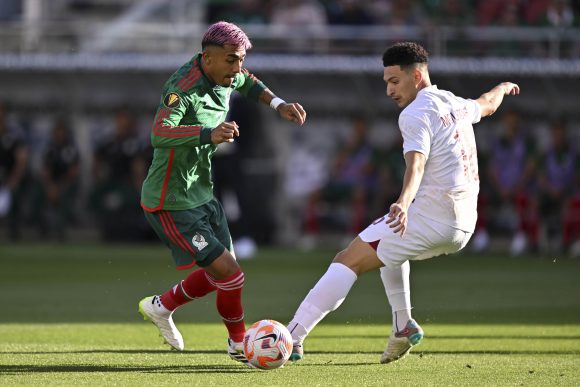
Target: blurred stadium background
{"points": [[81, 80]]}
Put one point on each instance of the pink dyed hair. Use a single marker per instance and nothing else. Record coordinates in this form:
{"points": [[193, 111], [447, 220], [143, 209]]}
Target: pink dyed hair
{"points": [[222, 33]]}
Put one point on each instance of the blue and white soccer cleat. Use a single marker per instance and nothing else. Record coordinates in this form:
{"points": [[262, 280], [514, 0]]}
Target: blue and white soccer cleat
{"points": [[152, 309], [400, 343], [297, 352]]}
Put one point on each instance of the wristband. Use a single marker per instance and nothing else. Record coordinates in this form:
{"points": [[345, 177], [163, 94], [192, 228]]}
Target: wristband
{"points": [[275, 102]]}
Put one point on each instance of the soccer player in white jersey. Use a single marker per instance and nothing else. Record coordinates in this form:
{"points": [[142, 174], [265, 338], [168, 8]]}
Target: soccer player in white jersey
{"points": [[436, 211]]}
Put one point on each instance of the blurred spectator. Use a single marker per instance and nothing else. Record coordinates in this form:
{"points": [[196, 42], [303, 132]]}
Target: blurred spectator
{"points": [[13, 169], [452, 13], [400, 13], [571, 225], [500, 12], [298, 13], [348, 12], [390, 169], [558, 14], [557, 184], [249, 210], [119, 168], [511, 16], [239, 12], [300, 19], [481, 238], [10, 9], [352, 180], [58, 182], [305, 173], [512, 206], [215, 9]]}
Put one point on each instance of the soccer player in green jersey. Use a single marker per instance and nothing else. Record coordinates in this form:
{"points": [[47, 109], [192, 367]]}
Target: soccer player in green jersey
{"points": [[177, 194]]}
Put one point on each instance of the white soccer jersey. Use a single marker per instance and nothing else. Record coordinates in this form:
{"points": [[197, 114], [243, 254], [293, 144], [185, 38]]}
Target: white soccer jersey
{"points": [[440, 125]]}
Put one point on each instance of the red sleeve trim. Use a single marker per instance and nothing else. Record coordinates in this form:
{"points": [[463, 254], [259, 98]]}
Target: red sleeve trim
{"points": [[162, 130], [165, 183], [176, 135]]}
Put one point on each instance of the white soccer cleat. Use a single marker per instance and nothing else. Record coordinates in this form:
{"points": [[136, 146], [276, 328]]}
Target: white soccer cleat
{"points": [[400, 343], [152, 309], [236, 352]]}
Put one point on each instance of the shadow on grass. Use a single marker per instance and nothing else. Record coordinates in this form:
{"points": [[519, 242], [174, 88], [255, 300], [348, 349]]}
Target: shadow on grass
{"points": [[448, 337], [475, 352], [119, 351], [354, 352], [199, 368]]}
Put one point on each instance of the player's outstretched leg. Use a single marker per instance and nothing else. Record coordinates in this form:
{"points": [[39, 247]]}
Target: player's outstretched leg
{"points": [[331, 290], [401, 342], [152, 309], [326, 296]]}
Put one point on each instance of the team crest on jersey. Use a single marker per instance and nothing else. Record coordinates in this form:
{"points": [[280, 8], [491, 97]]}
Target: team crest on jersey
{"points": [[171, 100], [199, 241]]}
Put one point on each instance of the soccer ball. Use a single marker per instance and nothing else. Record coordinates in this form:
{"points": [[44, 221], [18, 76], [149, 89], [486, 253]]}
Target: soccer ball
{"points": [[267, 344]]}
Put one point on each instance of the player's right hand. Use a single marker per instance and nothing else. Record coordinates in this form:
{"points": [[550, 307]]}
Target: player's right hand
{"points": [[225, 132], [397, 218]]}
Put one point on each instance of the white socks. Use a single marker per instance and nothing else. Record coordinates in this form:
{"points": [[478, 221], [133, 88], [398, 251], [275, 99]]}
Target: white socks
{"points": [[326, 296], [333, 287], [397, 287]]}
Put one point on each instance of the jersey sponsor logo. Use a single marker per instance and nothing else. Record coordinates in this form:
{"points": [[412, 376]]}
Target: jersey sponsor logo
{"points": [[199, 241], [171, 100]]}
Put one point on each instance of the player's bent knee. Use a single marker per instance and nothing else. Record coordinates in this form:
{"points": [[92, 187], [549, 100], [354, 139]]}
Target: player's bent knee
{"points": [[353, 262], [223, 267], [359, 257]]}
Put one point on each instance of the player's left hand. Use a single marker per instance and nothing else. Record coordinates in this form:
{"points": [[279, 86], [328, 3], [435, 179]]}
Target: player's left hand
{"points": [[293, 112], [397, 218]]}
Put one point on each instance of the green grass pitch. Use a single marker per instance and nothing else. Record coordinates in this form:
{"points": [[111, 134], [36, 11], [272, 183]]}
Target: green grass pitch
{"points": [[69, 317]]}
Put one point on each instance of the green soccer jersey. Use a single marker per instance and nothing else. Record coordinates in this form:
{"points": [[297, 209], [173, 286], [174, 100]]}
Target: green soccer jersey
{"points": [[179, 177]]}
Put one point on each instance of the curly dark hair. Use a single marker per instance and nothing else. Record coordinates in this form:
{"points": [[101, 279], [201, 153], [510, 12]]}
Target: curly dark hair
{"points": [[405, 54]]}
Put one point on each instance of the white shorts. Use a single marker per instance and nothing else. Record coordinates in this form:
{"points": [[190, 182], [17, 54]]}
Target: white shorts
{"points": [[424, 238]]}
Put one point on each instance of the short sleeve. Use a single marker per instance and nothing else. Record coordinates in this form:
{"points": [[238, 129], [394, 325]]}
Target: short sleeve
{"points": [[416, 134], [475, 110]]}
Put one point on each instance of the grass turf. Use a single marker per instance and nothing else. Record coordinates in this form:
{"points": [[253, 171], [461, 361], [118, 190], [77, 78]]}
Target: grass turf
{"points": [[69, 318], [337, 354]]}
